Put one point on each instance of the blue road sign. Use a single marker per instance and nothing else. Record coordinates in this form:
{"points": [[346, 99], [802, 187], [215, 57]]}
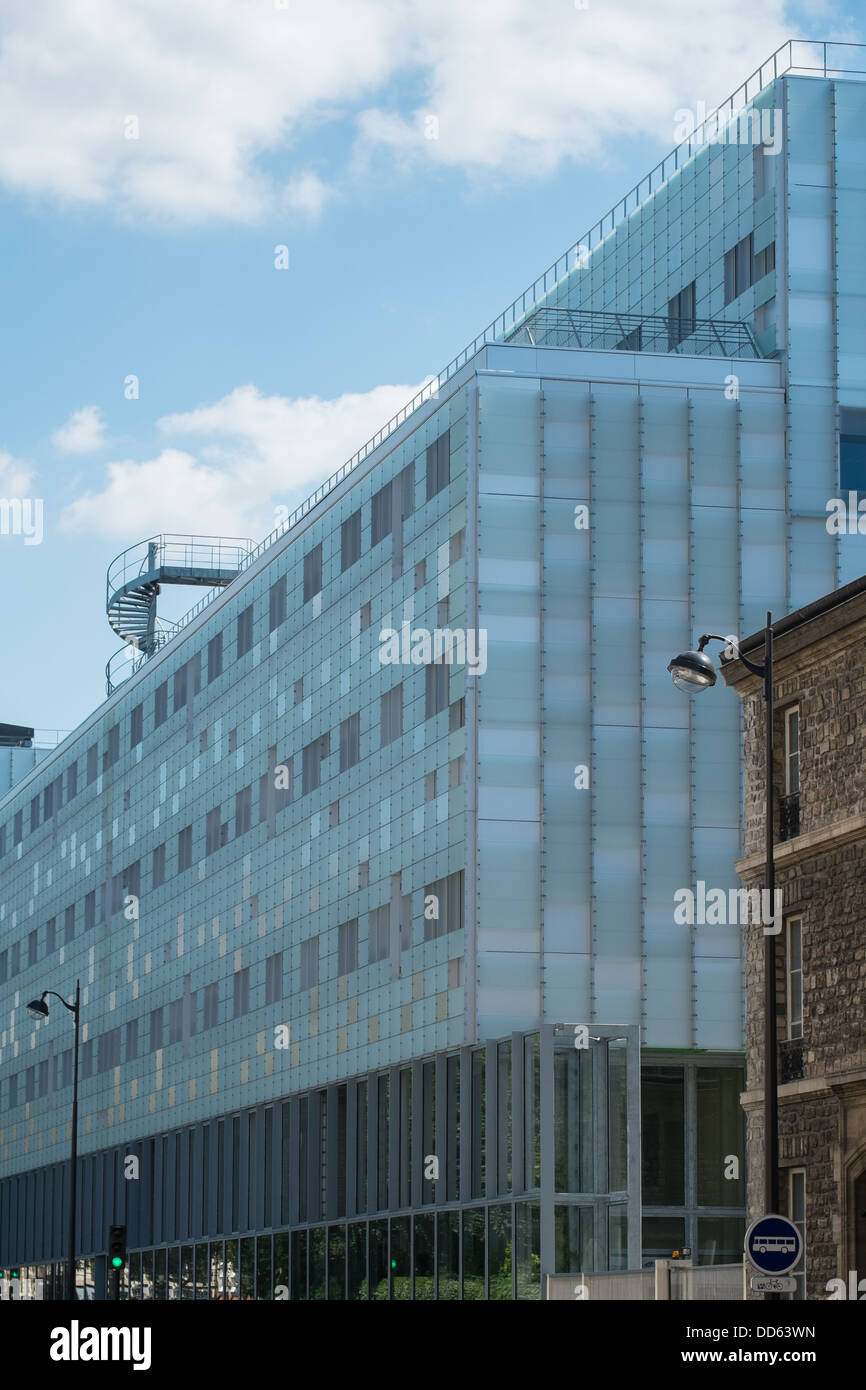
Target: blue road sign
{"points": [[773, 1244]]}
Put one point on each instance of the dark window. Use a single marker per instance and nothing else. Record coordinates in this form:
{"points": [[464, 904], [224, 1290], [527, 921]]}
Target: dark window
{"points": [[457, 715], [439, 464], [215, 657], [180, 688], [4, 967], [112, 748], [455, 547], [245, 631], [274, 978], [211, 1005], [132, 1040], [158, 866], [243, 810], [277, 604], [350, 742], [108, 1050], [380, 515], [125, 884], [175, 1021], [313, 572], [313, 756], [160, 704], [852, 451], [242, 992], [631, 342], [184, 849], [366, 616], [136, 726], [405, 482], [30, 1083], [681, 316], [156, 1030], [350, 541], [380, 933], [51, 936], [71, 781], [90, 910], [443, 906], [33, 947], [391, 714], [18, 828], [48, 802], [347, 947], [436, 693], [310, 963], [420, 574], [299, 690], [34, 813], [13, 1090], [2, 840], [212, 831], [69, 923], [738, 268]]}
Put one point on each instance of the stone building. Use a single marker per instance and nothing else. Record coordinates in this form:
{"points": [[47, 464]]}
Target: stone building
{"points": [[819, 669]]}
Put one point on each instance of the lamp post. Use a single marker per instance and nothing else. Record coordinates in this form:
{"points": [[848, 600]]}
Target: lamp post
{"points": [[693, 672], [38, 1009]]}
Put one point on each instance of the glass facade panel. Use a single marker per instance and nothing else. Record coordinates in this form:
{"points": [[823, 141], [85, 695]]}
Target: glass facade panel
{"points": [[663, 1136], [574, 1229], [572, 1113], [299, 1265], [357, 1261], [233, 1269], [264, 1272], [424, 1244], [173, 1272], [527, 1244], [281, 1277], [532, 1113], [217, 1269], [662, 1235], [500, 1263], [400, 1263], [147, 1275], [720, 1240], [247, 1268], [617, 1237], [448, 1255], [617, 1112], [479, 1128], [336, 1263], [379, 1260], [503, 1059], [452, 1125], [721, 1136], [473, 1252], [201, 1272], [317, 1264]]}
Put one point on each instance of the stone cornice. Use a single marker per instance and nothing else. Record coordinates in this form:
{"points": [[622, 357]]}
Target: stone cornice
{"points": [[789, 852]]}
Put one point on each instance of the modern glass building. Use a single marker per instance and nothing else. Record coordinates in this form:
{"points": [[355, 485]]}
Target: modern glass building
{"points": [[368, 868]]}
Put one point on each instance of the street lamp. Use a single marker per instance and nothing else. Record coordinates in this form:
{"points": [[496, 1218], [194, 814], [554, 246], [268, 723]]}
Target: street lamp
{"points": [[692, 672], [38, 1009]]}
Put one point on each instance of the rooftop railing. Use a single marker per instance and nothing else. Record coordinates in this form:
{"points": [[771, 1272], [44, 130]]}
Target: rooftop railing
{"points": [[798, 57], [600, 331]]}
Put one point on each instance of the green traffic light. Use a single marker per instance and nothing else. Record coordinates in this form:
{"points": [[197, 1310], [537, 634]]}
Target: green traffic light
{"points": [[393, 1264], [117, 1262]]}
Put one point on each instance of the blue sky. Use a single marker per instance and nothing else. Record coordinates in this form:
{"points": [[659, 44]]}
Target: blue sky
{"points": [[308, 125]]}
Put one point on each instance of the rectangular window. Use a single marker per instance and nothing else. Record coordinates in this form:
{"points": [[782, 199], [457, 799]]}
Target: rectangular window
{"points": [[391, 714], [420, 574], [430, 786], [180, 688], [243, 811], [4, 967], [380, 933], [277, 604], [299, 691], [313, 756], [439, 465], [347, 947], [455, 772], [212, 830], [313, 572], [792, 751], [156, 1029], [90, 911], [405, 482], [2, 840], [184, 849], [175, 1021], [14, 959], [310, 963], [160, 706], [457, 715], [69, 924], [136, 726], [350, 742], [794, 963], [215, 657], [242, 992], [132, 1040], [51, 936], [738, 268], [48, 802], [34, 813], [681, 316], [443, 906], [71, 781], [436, 689], [366, 616], [108, 1050], [33, 947], [158, 871], [18, 828], [211, 1005], [350, 541], [852, 450], [245, 631], [112, 748], [380, 515], [274, 978]]}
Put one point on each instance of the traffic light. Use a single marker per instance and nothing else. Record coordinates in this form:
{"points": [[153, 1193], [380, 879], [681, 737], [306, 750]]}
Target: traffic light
{"points": [[117, 1246]]}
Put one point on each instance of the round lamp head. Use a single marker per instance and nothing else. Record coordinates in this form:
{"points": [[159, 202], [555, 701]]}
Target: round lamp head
{"points": [[37, 1009], [692, 671]]}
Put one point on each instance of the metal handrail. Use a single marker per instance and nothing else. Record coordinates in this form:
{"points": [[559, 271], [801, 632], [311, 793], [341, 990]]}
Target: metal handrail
{"points": [[185, 551], [601, 328]]}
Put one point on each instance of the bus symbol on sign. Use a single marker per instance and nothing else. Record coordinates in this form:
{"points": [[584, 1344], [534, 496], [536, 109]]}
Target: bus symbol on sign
{"points": [[773, 1244]]}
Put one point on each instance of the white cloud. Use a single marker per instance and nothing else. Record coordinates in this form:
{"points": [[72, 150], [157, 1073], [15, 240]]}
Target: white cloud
{"points": [[219, 87], [16, 479], [82, 433], [257, 452]]}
